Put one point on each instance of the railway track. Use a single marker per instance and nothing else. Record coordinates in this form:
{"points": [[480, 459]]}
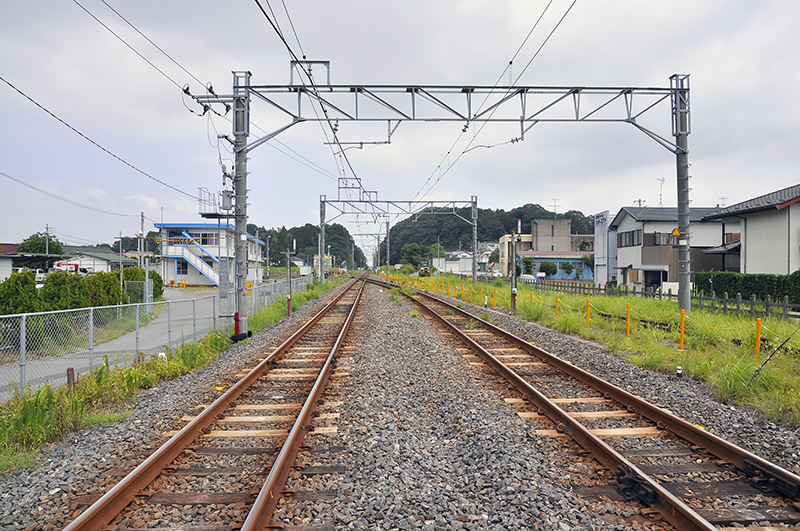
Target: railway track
{"points": [[693, 479], [239, 450]]}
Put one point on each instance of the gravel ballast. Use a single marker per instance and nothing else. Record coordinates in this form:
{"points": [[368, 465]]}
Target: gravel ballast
{"points": [[430, 443]]}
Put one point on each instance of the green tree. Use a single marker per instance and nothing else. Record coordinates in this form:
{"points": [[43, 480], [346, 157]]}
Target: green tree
{"points": [[584, 246], [568, 269], [549, 268], [18, 294], [495, 255], [527, 264], [104, 289], [414, 254], [64, 291], [437, 251], [37, 243], [589, 261]]}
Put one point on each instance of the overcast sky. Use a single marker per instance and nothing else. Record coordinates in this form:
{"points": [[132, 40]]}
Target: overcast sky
{"points": [[741, 56]]}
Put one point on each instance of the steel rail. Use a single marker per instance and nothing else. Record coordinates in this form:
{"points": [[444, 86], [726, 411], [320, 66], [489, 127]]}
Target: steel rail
{"points": [[635, 483], [267, 499], [104, 510], [763, 474]]}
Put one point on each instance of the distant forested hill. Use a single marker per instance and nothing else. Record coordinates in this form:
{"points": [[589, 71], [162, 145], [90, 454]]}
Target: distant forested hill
{"points": [[455, 233]]}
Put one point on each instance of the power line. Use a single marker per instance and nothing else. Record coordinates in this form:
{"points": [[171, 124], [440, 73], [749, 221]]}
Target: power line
{"points": [[159, 181], [468, 148], [64, 199], [126, 44], [150, 41]]}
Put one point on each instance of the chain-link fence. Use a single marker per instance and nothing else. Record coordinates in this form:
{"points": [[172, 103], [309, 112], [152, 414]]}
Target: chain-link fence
{"points": [[39, 347]]}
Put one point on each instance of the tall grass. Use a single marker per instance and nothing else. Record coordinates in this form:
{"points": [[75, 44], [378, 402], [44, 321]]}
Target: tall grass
{"points": [[718, 349]]}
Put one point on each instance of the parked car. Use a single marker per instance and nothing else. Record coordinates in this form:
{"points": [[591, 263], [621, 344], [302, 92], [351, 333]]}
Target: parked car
{"points": [[528, 279]]}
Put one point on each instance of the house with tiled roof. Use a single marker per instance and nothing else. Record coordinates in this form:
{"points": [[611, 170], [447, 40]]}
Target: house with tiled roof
{"points": [[770, 231], [647, 245]]}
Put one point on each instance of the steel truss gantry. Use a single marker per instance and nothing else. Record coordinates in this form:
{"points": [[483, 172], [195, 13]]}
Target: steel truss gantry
{"points": [[369, 206], [394, 104]]}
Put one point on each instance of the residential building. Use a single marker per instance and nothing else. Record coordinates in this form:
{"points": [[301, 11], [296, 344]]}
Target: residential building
{"points": [[605, 250], [769, 231], [195, 254], [647, 245], [525, 243]]}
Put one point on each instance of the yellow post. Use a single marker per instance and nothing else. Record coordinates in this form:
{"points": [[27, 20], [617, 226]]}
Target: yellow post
{"points": [[556, 305], [683, 323], [481, 295], [471, 298], [588, 324], [758, 337], [495, 298], [628, 334], [531, 298]]}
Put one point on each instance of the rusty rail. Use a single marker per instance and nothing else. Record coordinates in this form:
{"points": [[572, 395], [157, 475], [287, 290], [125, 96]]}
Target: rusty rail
{"points": [[633, 482], [104, 510]]}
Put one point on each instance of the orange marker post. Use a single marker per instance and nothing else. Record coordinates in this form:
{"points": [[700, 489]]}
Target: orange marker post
{"points": [[531, 298], [758, 337], [495, 298], [470, 294], [683, 324], [481, 295], [628, 332]]}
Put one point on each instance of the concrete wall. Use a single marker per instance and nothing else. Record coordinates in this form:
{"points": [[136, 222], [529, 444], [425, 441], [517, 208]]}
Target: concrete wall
{"points": [[551, 234]]}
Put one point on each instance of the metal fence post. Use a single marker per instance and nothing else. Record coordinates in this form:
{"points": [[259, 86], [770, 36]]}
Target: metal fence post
{"points": [[91, 340], [169, 325], [22, 349], [194, 322], [137, 328]]}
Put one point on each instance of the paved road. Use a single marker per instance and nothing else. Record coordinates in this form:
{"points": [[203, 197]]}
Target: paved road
{"points": [[170, 327]]}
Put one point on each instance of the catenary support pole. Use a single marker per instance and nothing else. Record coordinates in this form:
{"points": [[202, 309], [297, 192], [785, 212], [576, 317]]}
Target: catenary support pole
{"points": [[681, 127], [321, 265], [241, 130]]}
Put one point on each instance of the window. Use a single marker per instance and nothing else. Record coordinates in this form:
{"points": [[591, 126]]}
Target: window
{"points": [[629, 238], [182, 267], [552, 230], [661, 238]]}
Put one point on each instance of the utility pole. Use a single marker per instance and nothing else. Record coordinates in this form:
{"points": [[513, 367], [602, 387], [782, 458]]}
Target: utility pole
{"points": [[681, 127], [387, 247], [141, 245], [241, 130], [320, 266], [47, 239], [515, 237], [268, 237], [289, 276], [474, 240]]}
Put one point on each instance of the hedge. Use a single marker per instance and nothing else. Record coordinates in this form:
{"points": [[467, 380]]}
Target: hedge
{"points": [[760, 285]]}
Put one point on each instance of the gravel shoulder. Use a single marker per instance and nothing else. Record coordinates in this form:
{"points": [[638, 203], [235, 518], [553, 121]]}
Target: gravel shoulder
{"points": [[430, 443]]}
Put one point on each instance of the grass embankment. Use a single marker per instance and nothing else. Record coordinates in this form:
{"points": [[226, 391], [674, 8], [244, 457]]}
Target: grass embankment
{"points": [[718, 349], [35, 418]]}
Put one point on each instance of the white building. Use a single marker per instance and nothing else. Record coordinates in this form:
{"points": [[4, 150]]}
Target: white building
{"points": [[647, 250], [194, 254], [770, 231]]}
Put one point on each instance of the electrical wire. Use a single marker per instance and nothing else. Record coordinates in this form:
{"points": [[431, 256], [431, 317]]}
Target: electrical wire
{"points": [[483, 125], [128, 45], [159, 181], [151, 42], [64, 199]]}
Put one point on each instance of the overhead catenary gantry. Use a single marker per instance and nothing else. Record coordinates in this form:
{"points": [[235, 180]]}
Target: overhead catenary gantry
{"points": [[394, 104], [368, 205]]}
